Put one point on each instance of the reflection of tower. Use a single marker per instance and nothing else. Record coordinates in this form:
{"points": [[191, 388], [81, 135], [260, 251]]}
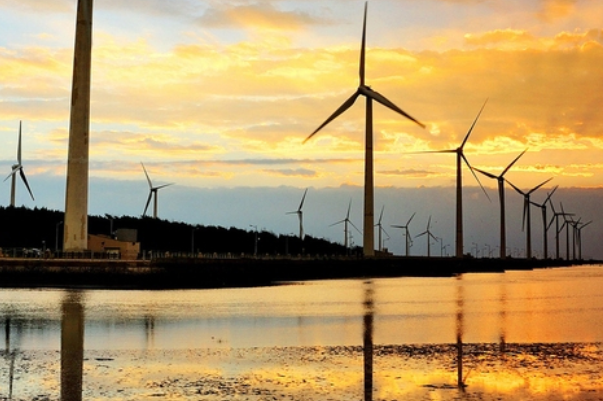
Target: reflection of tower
{"points": [[503, 314], [76, 196], [149, 330], [460, 303], [367, 343], [72, 347]]}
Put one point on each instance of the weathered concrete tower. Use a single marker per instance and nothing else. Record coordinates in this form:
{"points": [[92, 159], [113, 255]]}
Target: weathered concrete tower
{"points": [[76, 197]]}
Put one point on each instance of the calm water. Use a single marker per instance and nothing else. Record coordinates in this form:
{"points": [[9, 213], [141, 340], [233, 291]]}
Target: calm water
{"points": [[554, 305], [126, 344]]}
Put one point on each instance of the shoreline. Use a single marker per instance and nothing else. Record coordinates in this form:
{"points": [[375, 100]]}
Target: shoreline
{"points": [[191, 273]]}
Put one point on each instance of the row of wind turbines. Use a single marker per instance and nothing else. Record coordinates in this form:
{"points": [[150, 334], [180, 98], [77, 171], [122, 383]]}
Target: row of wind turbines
{"points": [[368, 239]]}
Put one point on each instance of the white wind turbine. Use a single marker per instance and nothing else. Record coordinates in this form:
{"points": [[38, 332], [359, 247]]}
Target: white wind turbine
{"points": [[527, 215], [407, 234], [152, 193], [347, 222], [370, 95], [17, 168], [501, 195], [300, 215]]}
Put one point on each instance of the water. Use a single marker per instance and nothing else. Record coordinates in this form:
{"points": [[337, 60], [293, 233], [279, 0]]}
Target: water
{"points": [[167, 327]]}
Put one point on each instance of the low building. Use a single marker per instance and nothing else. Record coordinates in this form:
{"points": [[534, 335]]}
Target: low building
{"points": [[128, 250]]}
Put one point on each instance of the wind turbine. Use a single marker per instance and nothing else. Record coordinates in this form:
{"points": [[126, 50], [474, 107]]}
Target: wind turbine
{"points": [[346, 221], [407, 234], [300, 215], [460, 157], [566, 224], [13, 175], [545, 226], [152, 193], [428, 233], [501, 195], [370, 95], [381, 229], [555, 217], [527, 214]]}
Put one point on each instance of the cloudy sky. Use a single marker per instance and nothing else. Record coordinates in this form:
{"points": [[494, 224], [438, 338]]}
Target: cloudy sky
{"points": [[219, 95]]}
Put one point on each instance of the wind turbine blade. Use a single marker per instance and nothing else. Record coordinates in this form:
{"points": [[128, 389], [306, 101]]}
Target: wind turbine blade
{"points": [[302, 201], [352, 224], [411, 217], [550, 222], [347, 216], [585, 224], [487, 174], [517, 189], [472, 125], [538, 186], [381, 214], [536, 204], [475, 176], [396, 226], [339, 222], [552, 206], [11, 174], [361, 71], [346, 105], [420, 235], [163, 186], [526, 205], [148, 202], [432, 151], [385, 232], [26, 183], [428, 223], [550, 194], [147, 175], [512, 163], [19, 146], [387, 103]]}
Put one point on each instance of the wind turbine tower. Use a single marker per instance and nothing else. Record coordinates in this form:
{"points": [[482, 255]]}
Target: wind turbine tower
{"points": [[370, 95], [17, 168], [545, 225], [407, 234], [346, 222], [76, 197]]}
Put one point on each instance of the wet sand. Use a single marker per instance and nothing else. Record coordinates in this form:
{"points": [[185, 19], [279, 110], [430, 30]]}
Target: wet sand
{"points": [[565, 371]]}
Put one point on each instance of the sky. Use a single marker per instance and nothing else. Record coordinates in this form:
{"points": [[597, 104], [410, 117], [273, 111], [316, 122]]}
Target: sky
{"points": [[218, 97]]}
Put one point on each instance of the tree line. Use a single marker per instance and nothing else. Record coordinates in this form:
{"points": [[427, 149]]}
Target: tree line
{"points": [[39, 228]]}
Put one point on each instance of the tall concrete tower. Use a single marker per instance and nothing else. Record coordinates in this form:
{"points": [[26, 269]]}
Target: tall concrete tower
{"points": [[76, 197]]}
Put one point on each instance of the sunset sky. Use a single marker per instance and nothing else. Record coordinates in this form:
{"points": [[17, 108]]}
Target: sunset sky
{"points": [[221, 94]]}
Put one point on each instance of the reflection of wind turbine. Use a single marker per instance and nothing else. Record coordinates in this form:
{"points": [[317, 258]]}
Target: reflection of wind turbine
{"points": [[460, 157], [545, 225], [13, 175], [429, 235], [381, 229], [152, 193], [300, 215], [527, 215], [370, 95], [367, 340], [345, 222], [501, 196], [407, 233]]}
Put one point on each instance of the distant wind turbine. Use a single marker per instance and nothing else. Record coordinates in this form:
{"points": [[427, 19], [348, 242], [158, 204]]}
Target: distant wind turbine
{"points": [[555, 218], [579, 238], [501, 195], [407, 234], [381, 229], [460, 157], [527, 215], [300, 215], [17, 168], [346, 222], [370, 95], [152, 193], [545, 225], [566, 223], [429, 235]]}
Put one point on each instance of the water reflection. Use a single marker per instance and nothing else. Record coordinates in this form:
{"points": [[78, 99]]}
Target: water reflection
{"points": [[460, 306], [72, 346], [367, 339]]}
